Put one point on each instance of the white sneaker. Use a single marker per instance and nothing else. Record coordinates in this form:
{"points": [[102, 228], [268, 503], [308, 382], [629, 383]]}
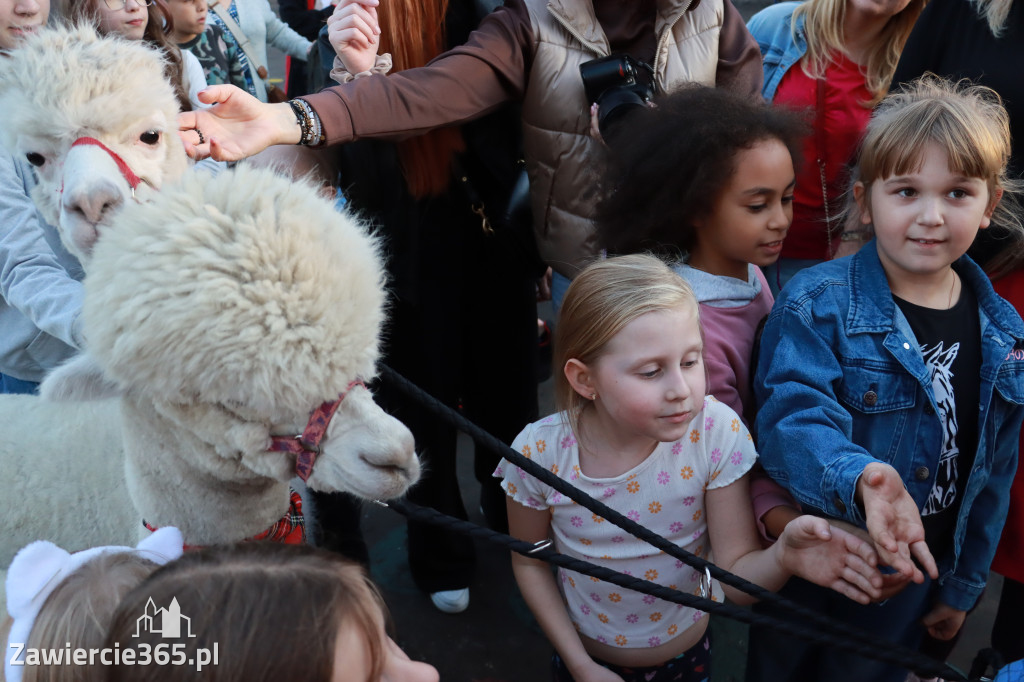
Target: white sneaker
{"points": [[451, 601]]}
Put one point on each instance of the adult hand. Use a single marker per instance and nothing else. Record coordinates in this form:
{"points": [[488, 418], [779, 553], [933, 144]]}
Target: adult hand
{"points": [[354, 33], [943, 621], [237, 126], [894, 522], [831, 557], [595, 126]]}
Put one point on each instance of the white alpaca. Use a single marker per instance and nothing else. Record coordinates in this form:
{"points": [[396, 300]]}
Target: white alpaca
{"points": [[222, 311], [65, 90], [61, 86]]}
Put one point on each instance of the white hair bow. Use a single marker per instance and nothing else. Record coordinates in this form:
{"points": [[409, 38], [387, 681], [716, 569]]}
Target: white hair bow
{"points": [[40, 567]]}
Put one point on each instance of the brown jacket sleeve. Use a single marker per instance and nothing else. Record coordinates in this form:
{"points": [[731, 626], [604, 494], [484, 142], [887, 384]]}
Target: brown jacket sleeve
{"points": [[460, 85], [739, 58]]}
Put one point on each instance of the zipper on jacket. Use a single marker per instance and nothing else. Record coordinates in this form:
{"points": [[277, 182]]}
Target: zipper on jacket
{"points": [[662, 39], [663, 42]]}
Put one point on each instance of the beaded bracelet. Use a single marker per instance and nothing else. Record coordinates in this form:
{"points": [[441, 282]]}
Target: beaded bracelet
{"points": [[308, 121]]}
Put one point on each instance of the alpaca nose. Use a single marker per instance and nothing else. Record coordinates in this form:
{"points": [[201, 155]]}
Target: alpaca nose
{"points": [[93, 201]]}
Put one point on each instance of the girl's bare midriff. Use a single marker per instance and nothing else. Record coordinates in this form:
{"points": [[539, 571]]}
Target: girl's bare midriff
{"points": [[648, 656]]}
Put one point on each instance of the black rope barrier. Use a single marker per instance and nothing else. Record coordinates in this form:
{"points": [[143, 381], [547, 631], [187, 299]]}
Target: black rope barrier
{"points": [[894, 654], [863, 643]]}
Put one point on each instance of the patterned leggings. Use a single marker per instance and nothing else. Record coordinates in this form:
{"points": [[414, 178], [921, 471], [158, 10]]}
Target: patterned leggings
{"points": [[693, 665]]}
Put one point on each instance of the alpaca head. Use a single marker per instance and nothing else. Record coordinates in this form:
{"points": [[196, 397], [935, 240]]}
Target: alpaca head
{"points": [[247, 300], [67, 85]]}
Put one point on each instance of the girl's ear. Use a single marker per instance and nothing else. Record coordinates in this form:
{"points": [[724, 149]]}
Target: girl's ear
{"points": [[579, 377], [986, 220], [860, 195]]}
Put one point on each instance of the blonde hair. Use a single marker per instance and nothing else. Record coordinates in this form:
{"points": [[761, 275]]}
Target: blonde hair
{"points": [[967, 121], [994, 12], [823, 26], [605, 297], [79, 611]]}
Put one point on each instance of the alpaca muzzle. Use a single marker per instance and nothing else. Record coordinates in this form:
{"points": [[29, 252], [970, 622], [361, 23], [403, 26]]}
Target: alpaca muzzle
{"points": [[127, 173], [306, 446]]}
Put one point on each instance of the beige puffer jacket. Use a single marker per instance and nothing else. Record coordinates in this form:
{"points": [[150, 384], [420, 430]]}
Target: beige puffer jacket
{"points": [[562, 159]]}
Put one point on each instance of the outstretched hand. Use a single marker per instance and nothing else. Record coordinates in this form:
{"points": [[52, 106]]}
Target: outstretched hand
{"points": [[894, 522], [236, 127], [831, 557], [354, 33], [892, 583]]}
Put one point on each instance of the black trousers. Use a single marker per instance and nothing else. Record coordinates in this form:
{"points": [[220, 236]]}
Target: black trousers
{"points": [[467, 335]]}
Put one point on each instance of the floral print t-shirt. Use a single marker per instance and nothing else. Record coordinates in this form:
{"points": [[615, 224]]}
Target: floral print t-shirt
{"points": [[664, 493]]}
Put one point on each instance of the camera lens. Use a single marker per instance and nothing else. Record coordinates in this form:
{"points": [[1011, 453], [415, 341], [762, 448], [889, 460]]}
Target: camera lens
{"points": [[616, 104]]}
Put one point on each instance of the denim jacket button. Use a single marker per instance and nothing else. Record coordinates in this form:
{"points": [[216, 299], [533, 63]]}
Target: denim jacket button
{"points": [[840, 506], [922, 473], [870, 398]]}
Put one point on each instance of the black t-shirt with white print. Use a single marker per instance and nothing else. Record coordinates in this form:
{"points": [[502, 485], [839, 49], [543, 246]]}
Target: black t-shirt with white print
{"points": [[950, 341]]}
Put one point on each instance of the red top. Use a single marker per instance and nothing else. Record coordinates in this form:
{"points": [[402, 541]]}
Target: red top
{"points": [[1009, 560], [845, 121]]}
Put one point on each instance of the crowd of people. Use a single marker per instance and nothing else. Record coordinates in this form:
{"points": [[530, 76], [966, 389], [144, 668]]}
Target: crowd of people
{"points": [[786, 260]]}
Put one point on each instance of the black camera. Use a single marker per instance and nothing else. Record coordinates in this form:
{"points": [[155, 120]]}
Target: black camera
{"points": [[617, 86]]}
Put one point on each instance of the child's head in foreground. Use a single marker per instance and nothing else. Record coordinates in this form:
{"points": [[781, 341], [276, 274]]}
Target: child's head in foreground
{"points": [[62, 602], [706, 172], [275, 612], [601, 301], [932, 171]]}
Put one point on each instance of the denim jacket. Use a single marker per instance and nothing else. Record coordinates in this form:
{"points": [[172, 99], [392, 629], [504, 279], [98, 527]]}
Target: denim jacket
{"points": [[841, 383], [781, 46]]}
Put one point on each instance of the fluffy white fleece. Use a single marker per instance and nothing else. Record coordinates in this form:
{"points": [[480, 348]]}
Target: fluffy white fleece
{"points": [[251, 287], [68, 82], [222, 312]]}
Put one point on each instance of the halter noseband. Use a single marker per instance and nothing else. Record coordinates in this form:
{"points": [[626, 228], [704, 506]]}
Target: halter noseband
{"points": [[129, 175], [306, 446]]}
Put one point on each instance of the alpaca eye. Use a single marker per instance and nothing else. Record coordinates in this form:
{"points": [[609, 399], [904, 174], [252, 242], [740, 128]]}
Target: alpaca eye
{"points": [[150, 137], [36, 159]]}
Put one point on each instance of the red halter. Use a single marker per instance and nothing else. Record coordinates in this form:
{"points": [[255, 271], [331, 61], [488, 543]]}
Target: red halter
{"points": [[129, 175], [306, 446]]}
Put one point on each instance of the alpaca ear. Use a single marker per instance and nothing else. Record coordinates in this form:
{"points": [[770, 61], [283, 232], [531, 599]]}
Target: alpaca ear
{"points": [[79, 379]]}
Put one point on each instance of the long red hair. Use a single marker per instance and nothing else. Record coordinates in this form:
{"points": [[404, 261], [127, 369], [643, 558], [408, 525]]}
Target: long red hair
{"points": [[413, 32]]}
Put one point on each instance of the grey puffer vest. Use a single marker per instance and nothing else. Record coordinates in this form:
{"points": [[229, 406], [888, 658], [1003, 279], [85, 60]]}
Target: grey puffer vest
{"points": [[561, 157]]}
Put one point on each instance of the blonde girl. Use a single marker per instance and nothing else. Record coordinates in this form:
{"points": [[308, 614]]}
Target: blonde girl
{"points": [[637, 431], [889, 385]]}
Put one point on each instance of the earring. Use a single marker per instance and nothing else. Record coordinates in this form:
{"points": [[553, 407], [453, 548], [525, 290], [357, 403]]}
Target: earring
{"points": [[593, 396]]}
